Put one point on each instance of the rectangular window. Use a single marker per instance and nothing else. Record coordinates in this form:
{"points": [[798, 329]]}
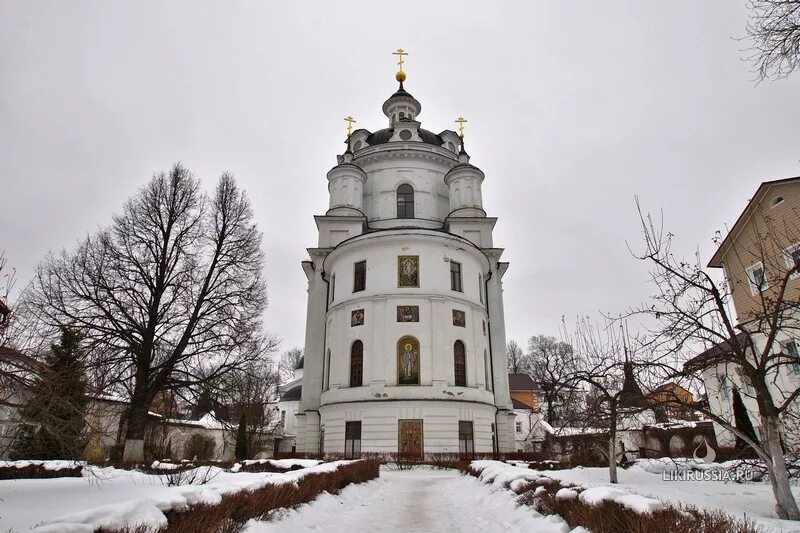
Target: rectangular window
{"points": [[333, 288], [792, 257], [757, 278], [743, 377], [352, 440], [480, 287], [723, 386], [283, 418], [790, 347], [455, 276], [360, 276], [519, 427], [465, 442]]}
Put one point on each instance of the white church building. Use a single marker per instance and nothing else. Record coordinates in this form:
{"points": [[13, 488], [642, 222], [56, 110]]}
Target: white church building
{"points": [[405, 335]]}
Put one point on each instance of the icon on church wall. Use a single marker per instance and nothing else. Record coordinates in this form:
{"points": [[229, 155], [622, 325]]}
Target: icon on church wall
{"points": [[408, 271], [409, 438], [459, 318], [408, 313], [357, 317], [408, 361]]}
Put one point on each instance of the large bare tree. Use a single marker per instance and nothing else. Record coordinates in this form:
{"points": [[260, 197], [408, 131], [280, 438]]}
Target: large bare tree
{"points": [[691, 311], [516, 359], [166, 294], [774, 34], [291, 360], [551, 362]]}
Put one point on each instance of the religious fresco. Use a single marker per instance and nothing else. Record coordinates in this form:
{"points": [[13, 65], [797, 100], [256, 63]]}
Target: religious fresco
{"points": [[459, 318], [409, 438], [408, 361], [408, 271], [357, 317], [408, 313]]}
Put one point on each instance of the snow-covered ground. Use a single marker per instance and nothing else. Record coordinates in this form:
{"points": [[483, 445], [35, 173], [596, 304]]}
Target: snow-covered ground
{"points": [[645, 479], [113, 497], [414, 500]]}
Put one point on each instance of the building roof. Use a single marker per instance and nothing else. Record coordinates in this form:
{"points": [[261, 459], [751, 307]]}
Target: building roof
{"points": [[716, 260], [19, 360], [715, 353], [521, 382], [519, 405], [292, 394]]}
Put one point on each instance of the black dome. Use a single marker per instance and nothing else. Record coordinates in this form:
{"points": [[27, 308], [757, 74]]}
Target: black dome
{"points": [[383, 136]]}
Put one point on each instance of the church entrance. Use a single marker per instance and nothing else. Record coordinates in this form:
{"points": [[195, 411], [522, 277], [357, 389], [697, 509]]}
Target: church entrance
{"points": [[410, 438]]}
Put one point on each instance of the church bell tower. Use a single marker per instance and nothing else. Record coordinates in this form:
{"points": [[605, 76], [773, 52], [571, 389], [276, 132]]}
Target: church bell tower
{"points": [[405, 331]]}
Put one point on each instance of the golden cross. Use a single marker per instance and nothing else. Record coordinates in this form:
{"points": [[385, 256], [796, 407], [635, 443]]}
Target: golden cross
{"points": [[400, 53], [350, 121], [460, 121]]}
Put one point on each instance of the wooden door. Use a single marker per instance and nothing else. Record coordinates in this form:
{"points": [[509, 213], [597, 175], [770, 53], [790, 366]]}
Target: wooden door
{"points": [[410, 438]]}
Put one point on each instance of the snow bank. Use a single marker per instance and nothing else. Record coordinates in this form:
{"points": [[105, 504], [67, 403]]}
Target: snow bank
{"points": [[284, 464], [145, 505], [634, 502], [499, 474], [47, 465], [562, 494]]}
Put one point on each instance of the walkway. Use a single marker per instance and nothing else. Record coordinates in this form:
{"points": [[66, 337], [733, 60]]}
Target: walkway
{"points": [[418, 500]]}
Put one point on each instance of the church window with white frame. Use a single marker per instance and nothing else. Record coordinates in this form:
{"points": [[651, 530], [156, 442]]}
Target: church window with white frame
{"points": [[790, 348], [791, 256], [757, 278]]}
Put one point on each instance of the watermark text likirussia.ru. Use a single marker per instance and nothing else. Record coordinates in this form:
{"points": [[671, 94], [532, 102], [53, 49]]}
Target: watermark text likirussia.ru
{"points": [[712, 474]]}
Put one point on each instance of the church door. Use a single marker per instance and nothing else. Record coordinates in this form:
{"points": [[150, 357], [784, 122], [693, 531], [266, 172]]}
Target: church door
{"points": [[410, 438]]}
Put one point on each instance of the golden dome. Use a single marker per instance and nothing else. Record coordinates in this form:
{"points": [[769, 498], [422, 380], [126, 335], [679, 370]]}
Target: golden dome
{"points": [[400, 76]]}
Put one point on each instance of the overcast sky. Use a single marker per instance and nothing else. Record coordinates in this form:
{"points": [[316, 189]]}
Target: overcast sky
{"points": [[573, 108]]}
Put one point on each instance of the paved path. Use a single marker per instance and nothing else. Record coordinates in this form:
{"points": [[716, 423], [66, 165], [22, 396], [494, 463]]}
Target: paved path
{"points": [[412, 501]]}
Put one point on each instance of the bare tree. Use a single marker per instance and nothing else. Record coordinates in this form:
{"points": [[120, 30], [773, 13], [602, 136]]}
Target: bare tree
{"points": [[7, 281], [291, 360], [247, 393], [774, 32], [692, 311], [606, 363], [551, 363], [517, 361], [166, 294]]}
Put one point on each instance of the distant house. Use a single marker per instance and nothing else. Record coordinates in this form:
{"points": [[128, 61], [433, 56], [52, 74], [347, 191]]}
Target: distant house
{"points": [[289, 394], [672, 401]]}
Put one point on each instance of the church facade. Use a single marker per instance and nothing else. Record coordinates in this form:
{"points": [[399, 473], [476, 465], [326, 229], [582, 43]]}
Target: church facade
{"points": [[405, 333]]}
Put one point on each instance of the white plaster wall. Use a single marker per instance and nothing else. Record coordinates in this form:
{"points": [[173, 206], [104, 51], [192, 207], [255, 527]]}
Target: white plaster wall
{"points": [[412, 163], [379, 424], [381, 331]]}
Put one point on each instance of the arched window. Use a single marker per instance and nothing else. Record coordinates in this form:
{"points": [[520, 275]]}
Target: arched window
{"points": [[357, 364], [460, 364], [488, 370], [405, 201], [408, 361], [326, 370]]}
